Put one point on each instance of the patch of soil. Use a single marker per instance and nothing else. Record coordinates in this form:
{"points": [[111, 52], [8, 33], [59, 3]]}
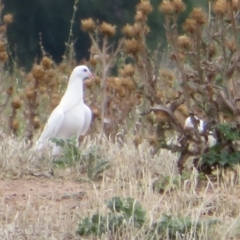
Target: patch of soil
{"points": [[24, 203]]}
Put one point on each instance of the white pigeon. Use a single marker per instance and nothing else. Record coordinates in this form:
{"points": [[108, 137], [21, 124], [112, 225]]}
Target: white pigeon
{"points": [[201, 125], [72, 117], [188, 125]]}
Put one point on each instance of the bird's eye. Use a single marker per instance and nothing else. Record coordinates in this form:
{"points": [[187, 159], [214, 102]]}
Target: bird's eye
{"points": [[85, 70]]}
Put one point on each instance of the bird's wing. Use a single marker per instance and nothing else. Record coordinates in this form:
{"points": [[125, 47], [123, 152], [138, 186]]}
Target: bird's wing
{"points": [[53, 125], [87, 121]]}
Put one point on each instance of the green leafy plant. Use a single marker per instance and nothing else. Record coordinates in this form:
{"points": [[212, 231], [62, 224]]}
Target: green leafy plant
{"points": [[91, 160], [127, 212], [71, 153], [170, 227], [94, 163], [224, 154], [122, 214]]}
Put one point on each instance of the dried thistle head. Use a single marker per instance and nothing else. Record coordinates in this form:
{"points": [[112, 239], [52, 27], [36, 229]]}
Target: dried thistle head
{"points": [[128, 83], [116, 83], [3, 56], [190, 25], [167, 74], [88, 83], [199, 16], [137, 140], [166, 7], [97, 80], [93, 61], [220, 7], [235, 5], [50, 74], [16, 103], [127, 71], [2, 47], [36, 123], [231, 45], [132, 46], [184, 42], [14, 125], [178, 6], [46, 62], [161, 116], [88, 25], [8, 19], [37, 72], [3, 29], [107, 29], [95, 111], [140, 16], [128, 30], [121, 93], [30, 93], [183, 109], [145, 7], [10, 91]]}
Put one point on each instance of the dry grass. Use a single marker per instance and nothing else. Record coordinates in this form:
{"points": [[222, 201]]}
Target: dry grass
{"points": [[36, 205]]}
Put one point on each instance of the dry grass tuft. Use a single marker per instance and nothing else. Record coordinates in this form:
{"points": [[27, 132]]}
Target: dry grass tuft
{"points": [[38, 205]]}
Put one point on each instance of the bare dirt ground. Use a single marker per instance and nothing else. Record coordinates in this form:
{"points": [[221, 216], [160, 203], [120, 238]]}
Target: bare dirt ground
{"points": [[29, 205]]}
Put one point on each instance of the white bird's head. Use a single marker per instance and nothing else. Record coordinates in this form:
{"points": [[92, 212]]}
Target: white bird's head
{"points": [[80, 73]]}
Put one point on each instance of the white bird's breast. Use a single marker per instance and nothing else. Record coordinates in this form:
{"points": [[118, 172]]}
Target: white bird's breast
{"points": [[73, 122]]}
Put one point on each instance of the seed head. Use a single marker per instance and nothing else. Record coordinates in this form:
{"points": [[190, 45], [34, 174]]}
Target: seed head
{"points": [[8, 19], [128, 83], [231, 45], [166, 7], [190, 25], [116, 83], [167, 75], [3, 29], [46, 62], [37, 72], [97, 80], [145, 7], [127, 71], [10, 91], [121, 92], [3, 56], [88, 83], [199, 16], [93, 61], [107, 29], [36, 123], [184, 42], [132, 46], [15, 125], [30, 93], [235, 5], [128, 30], [137, 139], [2, 47], [16, 104], [50, 74], [88, 25], [220, 7], [95, 111], [178, 6], [161, 116], [140, 16]]}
